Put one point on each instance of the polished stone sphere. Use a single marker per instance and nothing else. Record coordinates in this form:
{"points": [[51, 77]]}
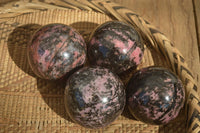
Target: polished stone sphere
{"points": [[94, 97], [155, 95], [54, 50], [115, 45]]}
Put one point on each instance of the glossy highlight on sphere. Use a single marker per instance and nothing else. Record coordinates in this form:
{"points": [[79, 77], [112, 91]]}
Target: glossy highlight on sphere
{"points": [[56, 49], [94, 97], [115, 45], [155, 95]]}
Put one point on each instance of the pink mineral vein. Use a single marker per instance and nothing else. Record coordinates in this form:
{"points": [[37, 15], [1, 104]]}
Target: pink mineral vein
{"points": [[136, 55]]}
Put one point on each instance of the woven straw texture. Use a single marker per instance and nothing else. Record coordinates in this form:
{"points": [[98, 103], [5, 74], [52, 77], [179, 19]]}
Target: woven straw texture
{"points": [[30, 104]]}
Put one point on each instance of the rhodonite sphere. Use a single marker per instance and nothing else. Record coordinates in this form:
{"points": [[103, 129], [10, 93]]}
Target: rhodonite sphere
{"points": [[94, 97], [115, 45], [54, 50], [155, 95]]}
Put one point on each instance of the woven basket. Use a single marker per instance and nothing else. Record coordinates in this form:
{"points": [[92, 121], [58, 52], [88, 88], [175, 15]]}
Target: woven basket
{"points": [[30, 104]]}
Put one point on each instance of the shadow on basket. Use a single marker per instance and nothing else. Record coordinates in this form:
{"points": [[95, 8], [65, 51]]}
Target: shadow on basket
{"points": [[52, 92]]}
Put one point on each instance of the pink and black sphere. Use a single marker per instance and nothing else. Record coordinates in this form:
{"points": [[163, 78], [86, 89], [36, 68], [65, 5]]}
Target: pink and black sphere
{"points": [[115, 45], [155, 95], [55, 50], [94, 97]]}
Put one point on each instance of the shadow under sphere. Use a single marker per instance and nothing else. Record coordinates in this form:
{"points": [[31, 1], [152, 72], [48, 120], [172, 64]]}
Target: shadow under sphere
{"points": [[18, 41], [84, 28], [52, 91]]}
